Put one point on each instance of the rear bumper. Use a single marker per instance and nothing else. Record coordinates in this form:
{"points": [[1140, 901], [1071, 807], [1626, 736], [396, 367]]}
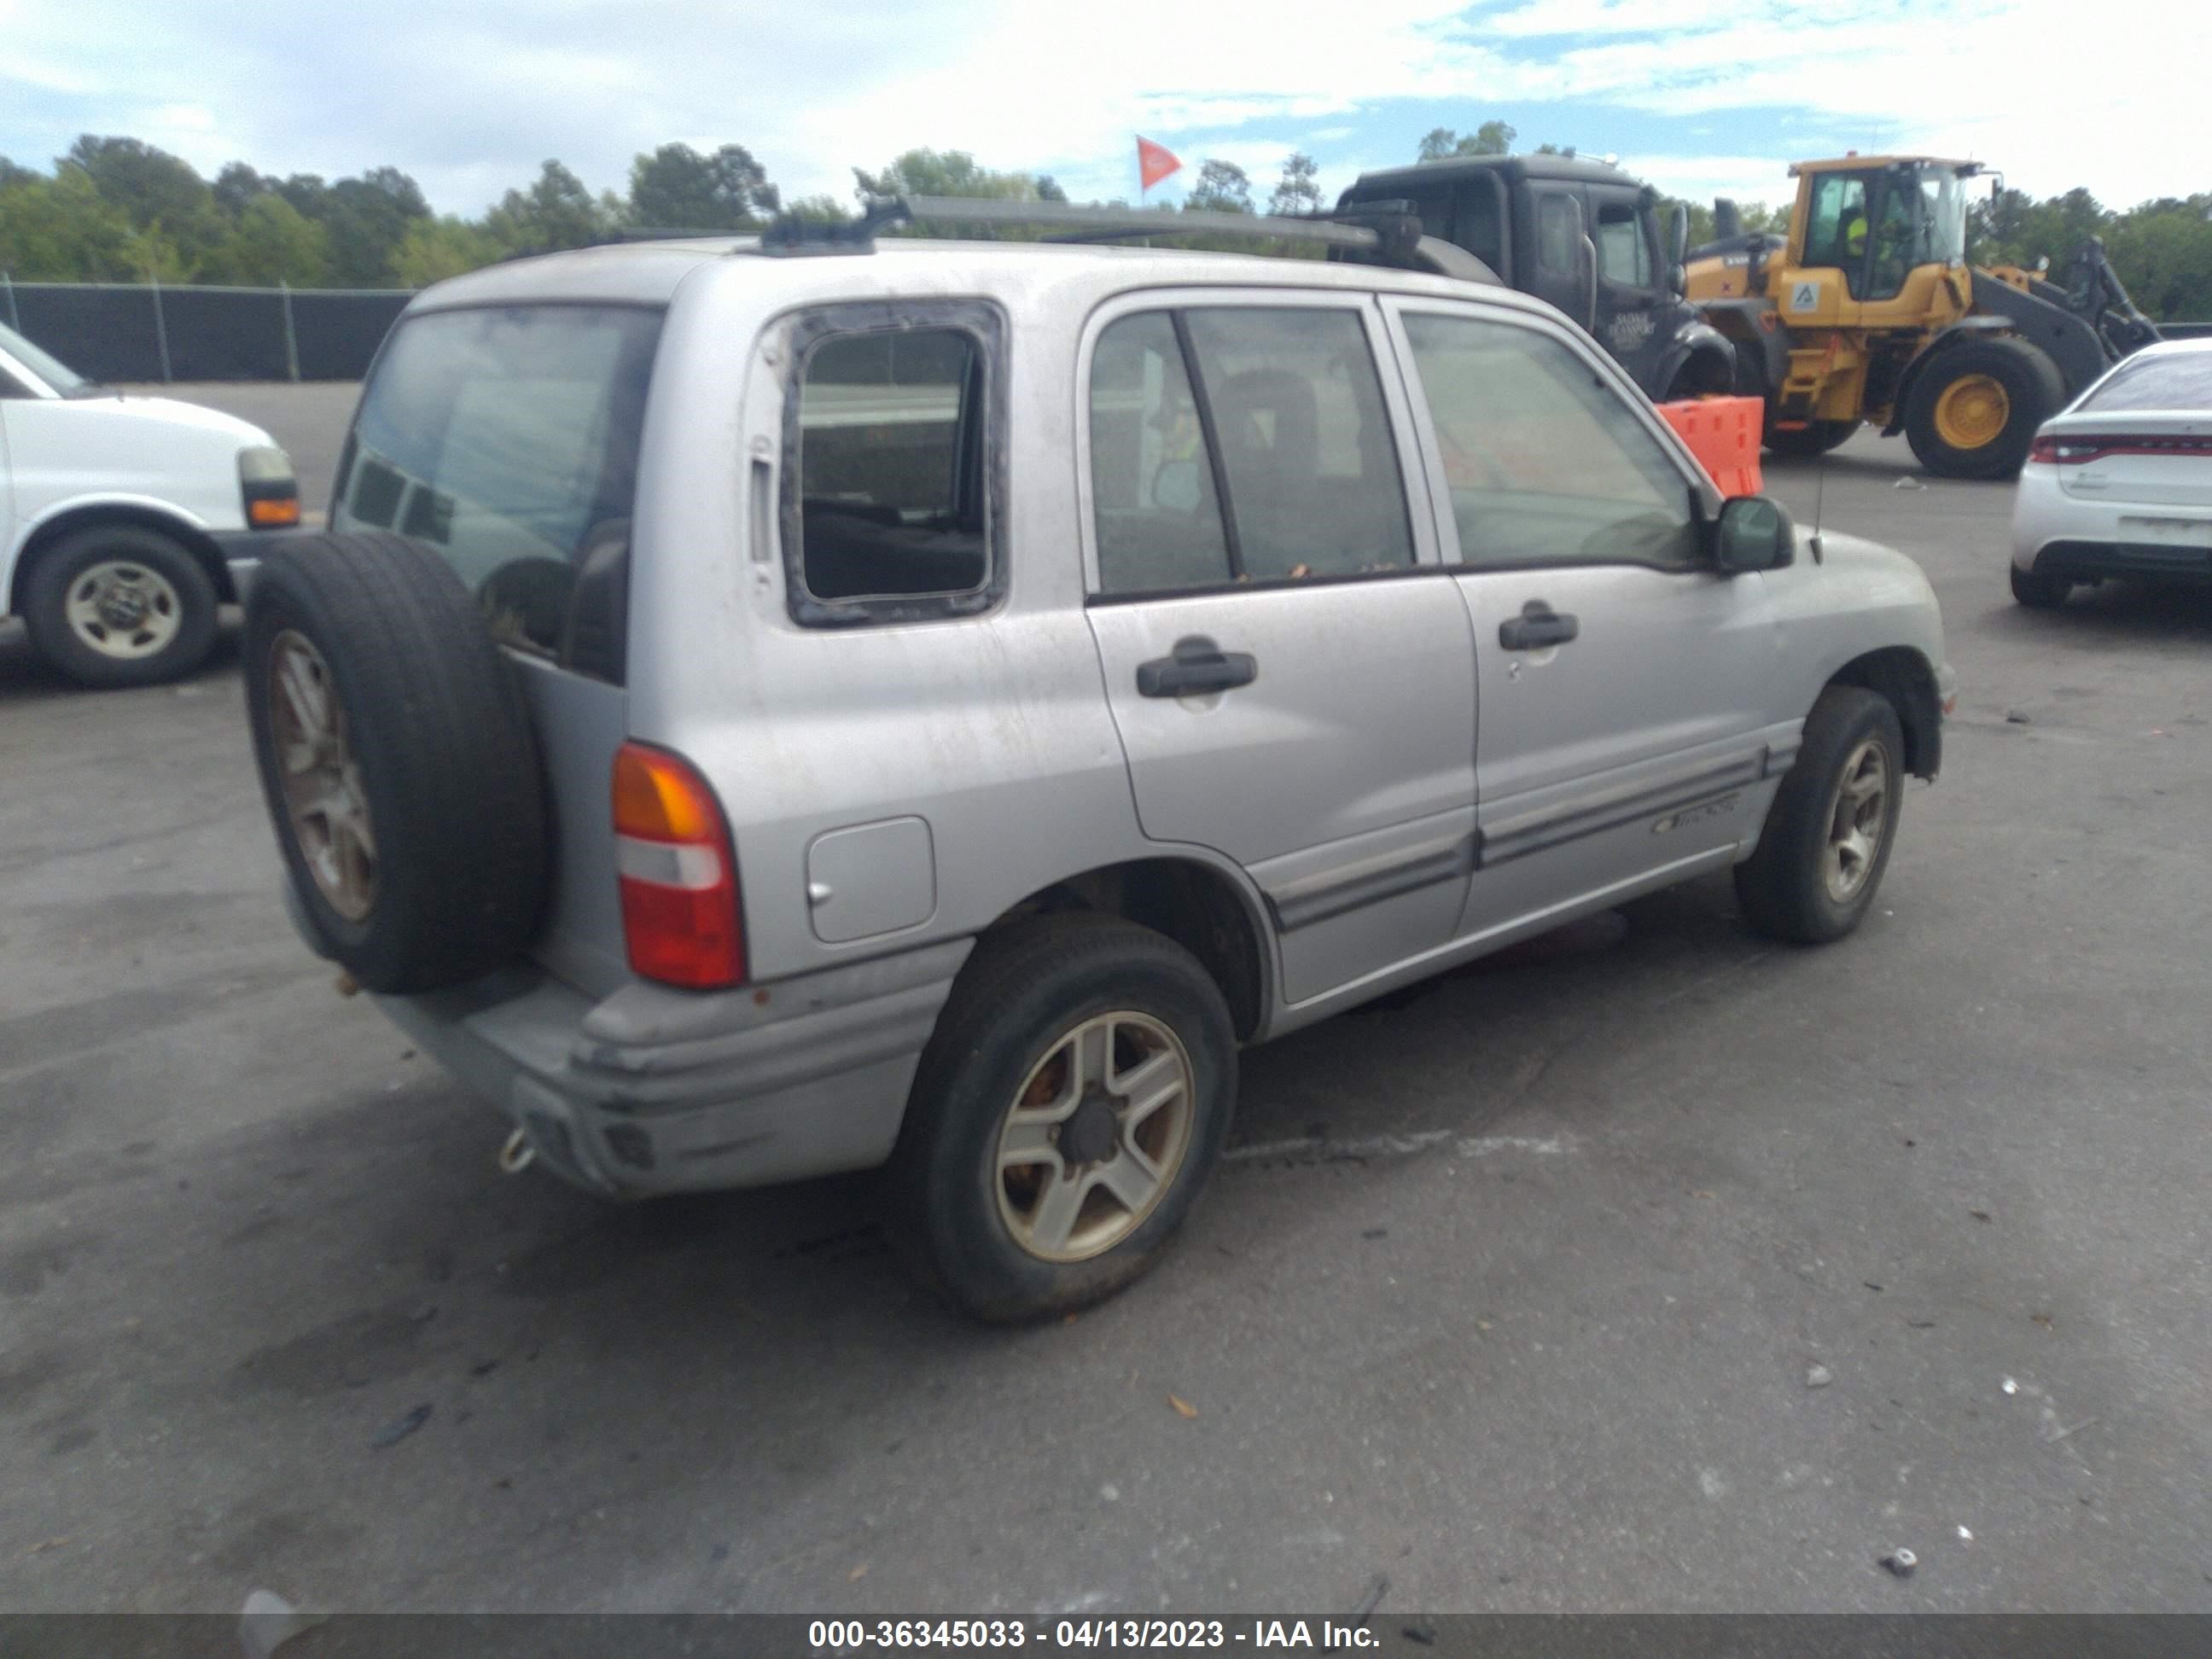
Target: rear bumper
{"points": [[655, 1091], [2080, 560]]}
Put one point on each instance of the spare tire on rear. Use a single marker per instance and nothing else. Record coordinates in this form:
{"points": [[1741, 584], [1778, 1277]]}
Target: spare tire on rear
{"points": [[398, 758]]}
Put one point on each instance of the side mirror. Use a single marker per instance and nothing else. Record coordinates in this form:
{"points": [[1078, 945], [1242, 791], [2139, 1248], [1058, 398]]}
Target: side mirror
{"points": [[1678, 234], [1752, 533]]}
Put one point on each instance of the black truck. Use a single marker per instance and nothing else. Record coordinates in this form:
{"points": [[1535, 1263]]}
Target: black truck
{"points": [[1582, 235]]}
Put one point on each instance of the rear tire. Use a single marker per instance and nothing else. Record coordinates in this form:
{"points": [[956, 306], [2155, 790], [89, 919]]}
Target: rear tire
{"points": [[1007, 1055], [117, 604], [398, 759], [1806, 884], [1974, 411], [2039, 592]]}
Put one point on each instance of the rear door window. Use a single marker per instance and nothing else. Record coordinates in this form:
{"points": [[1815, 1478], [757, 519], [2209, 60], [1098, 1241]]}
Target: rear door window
{"points": [[507, 440], [1242, 443]]}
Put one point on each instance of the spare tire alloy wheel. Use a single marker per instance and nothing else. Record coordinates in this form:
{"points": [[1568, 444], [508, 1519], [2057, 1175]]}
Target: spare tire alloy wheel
{"points": [[1095, 1137], [321, 781]]}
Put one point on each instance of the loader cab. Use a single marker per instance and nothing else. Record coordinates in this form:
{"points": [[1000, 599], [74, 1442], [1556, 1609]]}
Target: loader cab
{"points": [[1881, 223], [1581, 235]]}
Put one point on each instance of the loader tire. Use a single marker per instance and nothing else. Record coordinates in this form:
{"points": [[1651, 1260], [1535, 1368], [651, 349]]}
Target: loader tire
{"points": [[1815, 437], [1974, 411]]}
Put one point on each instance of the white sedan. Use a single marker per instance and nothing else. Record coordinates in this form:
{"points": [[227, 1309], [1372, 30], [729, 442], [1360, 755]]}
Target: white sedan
{"points": [[109, 507], [2119, 483]]}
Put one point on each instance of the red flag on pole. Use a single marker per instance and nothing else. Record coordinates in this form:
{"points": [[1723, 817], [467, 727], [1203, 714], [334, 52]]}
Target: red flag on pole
{"points": [[1154, 163]]}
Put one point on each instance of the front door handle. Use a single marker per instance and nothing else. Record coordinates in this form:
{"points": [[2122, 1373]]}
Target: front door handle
{"points": [[1198, 667], [1537, 626]]}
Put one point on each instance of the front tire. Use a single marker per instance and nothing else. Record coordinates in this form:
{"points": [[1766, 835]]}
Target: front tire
{"points": [[1974, 412], [119, 604], [2039, 592], [1827, 842], [1069, 1108]]}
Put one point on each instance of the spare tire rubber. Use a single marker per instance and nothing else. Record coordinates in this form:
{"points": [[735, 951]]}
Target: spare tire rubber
{"points": [[398, 761]]}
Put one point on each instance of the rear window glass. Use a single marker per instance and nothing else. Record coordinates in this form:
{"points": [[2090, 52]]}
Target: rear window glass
{"points": [[507, 439], [2181, 381]]}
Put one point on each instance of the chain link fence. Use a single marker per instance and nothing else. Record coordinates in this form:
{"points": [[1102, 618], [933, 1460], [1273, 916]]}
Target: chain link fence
{"points": [[142, 331]]}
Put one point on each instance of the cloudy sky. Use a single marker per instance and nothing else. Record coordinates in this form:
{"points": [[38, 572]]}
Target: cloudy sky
{"points": [[1698, 96]]}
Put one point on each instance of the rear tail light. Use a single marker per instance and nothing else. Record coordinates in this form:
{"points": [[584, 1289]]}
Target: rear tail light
{"points": [[679, 879], [2080, 449]]}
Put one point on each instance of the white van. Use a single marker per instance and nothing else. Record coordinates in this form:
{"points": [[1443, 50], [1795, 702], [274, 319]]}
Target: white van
{"points": [[108, 506]]}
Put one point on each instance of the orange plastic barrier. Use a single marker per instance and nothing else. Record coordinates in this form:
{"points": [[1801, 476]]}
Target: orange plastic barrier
{"points": [[1722, 433]]}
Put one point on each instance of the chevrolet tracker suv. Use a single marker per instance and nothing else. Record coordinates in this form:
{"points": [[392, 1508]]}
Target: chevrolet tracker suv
{"points": [[762, 711]]}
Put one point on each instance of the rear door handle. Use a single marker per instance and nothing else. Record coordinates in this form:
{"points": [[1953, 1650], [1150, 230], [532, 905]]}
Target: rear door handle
{"points": [[1198, 667], [1537, 626]]}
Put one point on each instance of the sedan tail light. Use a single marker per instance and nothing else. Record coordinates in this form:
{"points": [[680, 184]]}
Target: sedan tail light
{"points": [[2079, 448], [681, 916]]}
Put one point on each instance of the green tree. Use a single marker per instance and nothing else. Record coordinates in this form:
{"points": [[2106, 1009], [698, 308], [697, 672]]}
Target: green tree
{"points": [[150, 186], [437, 248], [10, 173], [1491, 138], [274, 242], [1299, 190], [62, 230], [365, 219], [950, 173], [556, 212], [1222, 187], [676, 188]]}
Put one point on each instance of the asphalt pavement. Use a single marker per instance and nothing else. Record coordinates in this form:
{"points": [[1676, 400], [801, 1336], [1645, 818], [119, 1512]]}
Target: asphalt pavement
{"points": [[1658, 1269]]}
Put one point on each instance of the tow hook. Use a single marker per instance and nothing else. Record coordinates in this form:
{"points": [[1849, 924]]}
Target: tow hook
{"points": [[517, 1155]]}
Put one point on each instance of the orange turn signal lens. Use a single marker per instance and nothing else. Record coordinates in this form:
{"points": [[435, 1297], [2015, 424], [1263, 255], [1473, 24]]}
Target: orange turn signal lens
{"points": [[273, 514], [677, 872]]}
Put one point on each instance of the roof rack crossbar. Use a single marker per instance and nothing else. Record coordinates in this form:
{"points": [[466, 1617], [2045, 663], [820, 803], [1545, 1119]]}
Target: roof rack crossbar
{"points": [[1097, 222]]}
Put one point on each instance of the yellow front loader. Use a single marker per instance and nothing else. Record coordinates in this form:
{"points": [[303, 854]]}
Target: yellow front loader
{"points": [[1867, 311]]}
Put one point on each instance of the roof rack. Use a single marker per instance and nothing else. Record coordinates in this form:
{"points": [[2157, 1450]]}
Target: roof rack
{"points": [[1387, 233]]}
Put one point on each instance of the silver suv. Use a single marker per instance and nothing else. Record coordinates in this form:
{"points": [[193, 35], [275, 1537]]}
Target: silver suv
{"points": [[762, 712]]}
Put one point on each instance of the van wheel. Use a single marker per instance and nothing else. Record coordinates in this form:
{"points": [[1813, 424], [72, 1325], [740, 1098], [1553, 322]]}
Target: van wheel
{"points": [[1074, 1099], [116, 604], [398, 761], [1826, 841]]}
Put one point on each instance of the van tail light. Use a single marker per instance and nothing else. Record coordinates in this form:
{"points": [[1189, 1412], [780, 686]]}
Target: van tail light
{"points": [[681, 916]]}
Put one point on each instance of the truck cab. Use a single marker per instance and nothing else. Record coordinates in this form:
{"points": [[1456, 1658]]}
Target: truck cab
{"points": [[1584, 236]]}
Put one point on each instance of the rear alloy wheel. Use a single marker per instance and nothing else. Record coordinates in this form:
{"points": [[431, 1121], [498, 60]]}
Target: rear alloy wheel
{"points": [[2039, 592], [121, 604], [1828, 836], [1073, 1099], [1974, 407]]}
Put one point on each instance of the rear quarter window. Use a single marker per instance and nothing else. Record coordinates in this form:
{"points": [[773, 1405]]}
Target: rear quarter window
{"points": [[2181, 381], [507, 440]]}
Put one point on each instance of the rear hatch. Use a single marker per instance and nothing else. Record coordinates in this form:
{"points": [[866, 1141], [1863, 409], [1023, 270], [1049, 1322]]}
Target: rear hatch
{"points": [[2141, 439], [506, 439]]}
